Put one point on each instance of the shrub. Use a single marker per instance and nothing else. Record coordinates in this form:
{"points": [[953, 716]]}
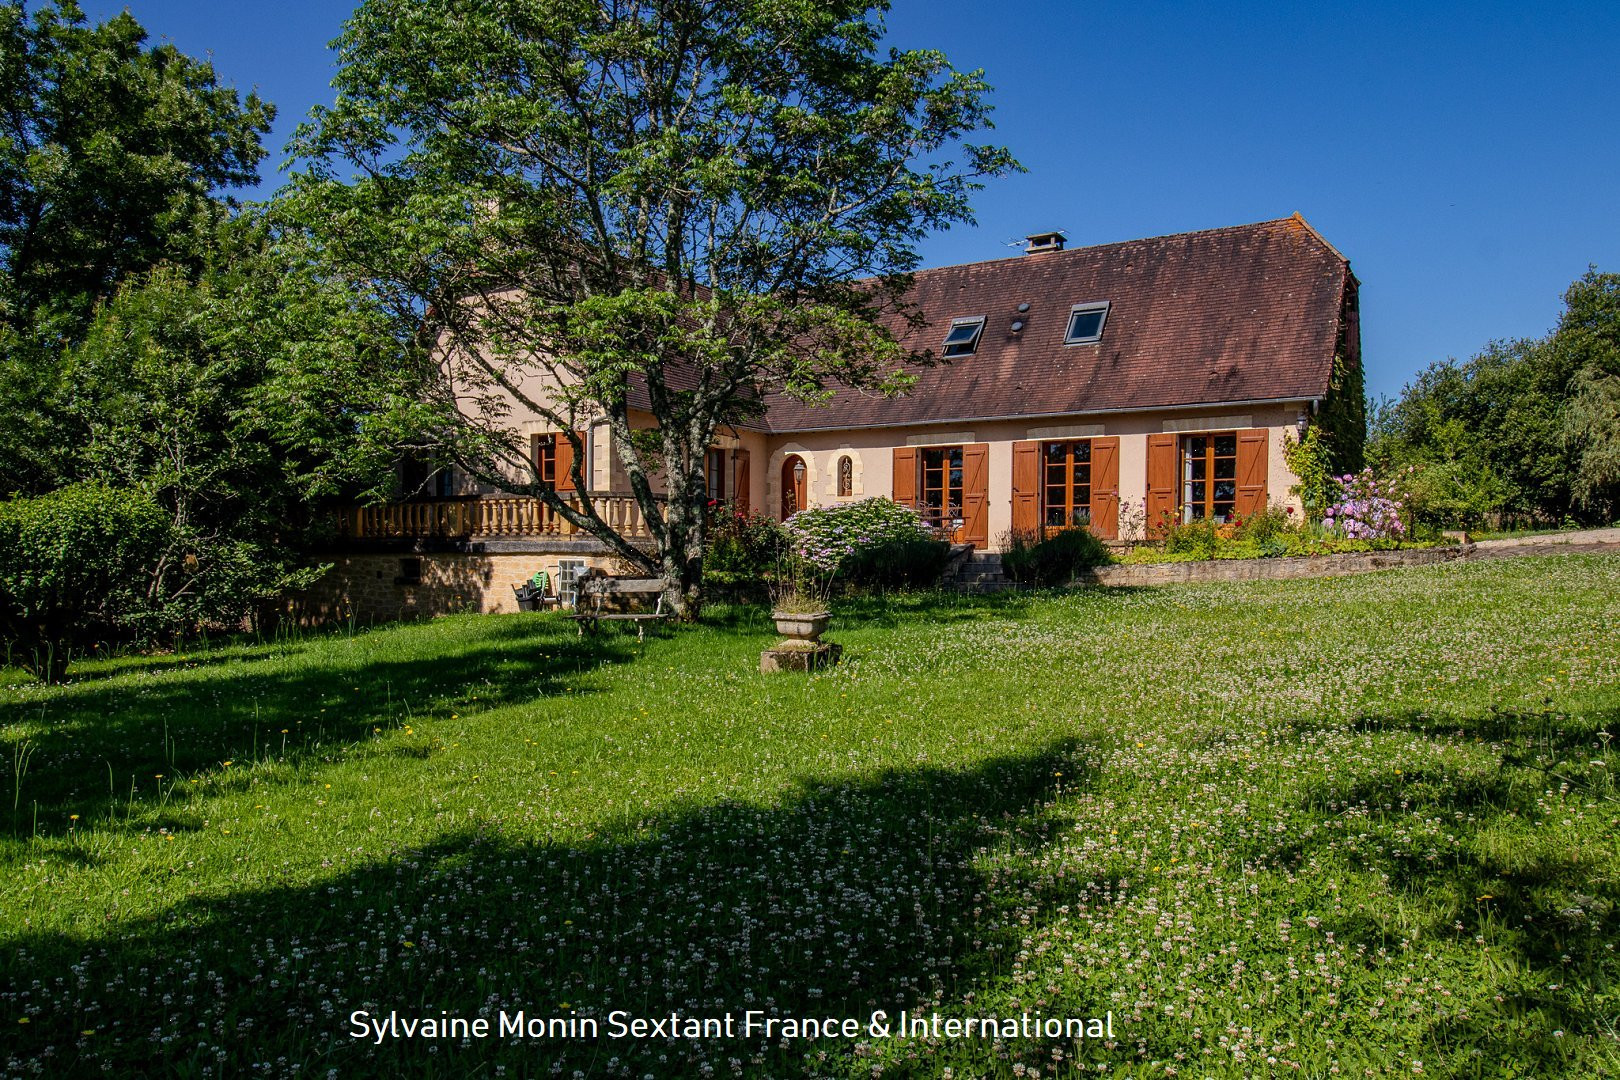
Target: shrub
{"points": [[872, 542], [1272, 523], [78, 565], [1367, 508], [1055, 560], [744, 549], [1191, 538]]}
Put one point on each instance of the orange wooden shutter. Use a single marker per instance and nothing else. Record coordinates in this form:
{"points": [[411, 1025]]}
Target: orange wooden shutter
{"points": [[740, 499], [1251, 471], [565, 462], [905, 475], [1026, 488], [976, 494], [1105, 487], [1161, 482]]}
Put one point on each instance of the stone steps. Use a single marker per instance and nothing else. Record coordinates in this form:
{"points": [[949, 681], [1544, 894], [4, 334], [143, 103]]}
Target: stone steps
{"points": [[972, 571]]}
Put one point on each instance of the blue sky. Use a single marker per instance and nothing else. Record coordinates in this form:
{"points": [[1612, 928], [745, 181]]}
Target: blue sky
{"points": [[1464, 157]]}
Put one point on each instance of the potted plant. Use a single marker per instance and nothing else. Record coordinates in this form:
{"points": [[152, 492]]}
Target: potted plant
{"points": [[799, 601]]}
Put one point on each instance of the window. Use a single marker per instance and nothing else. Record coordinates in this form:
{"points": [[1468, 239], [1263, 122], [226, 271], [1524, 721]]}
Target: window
{"points": [[569, 572], [941, 487], [1086, 323], [444, 483], [715, 474], [410, 572], [1209, 476], [545, 458], [846, 476], [963, 339], [1066, 480]]}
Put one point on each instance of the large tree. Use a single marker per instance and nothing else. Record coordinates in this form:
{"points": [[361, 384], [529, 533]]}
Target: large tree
{"points": [[579, 208], [1525, 429], [115, 156]]}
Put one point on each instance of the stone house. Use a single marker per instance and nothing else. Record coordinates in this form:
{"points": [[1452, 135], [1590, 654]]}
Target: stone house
{"points": [[1114, 386]]}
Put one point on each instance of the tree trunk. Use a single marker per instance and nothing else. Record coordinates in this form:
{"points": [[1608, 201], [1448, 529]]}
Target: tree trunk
{"points": [[681, 561]]}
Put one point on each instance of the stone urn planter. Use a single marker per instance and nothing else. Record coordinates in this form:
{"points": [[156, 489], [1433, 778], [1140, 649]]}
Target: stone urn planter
{"points": [[799, 626], [802, 649]]}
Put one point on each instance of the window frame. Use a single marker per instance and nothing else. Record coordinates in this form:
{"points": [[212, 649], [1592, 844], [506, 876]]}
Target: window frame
{"points": [[1086, 308], [545, 457], [714, 474], [569, 574], [1210, 460], [970, 345], [949, 458], [1067, 483]]}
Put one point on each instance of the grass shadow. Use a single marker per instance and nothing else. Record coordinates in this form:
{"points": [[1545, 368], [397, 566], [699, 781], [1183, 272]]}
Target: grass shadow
{"points": [[1506, 875], [99, 744], [836, 900]]}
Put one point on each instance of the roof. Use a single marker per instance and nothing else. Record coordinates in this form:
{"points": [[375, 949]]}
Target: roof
{"points": [[1241, 314]]}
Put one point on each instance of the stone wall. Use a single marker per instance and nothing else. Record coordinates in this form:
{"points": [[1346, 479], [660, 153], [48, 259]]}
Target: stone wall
{"points": [[380, 587], [1271, 569]]}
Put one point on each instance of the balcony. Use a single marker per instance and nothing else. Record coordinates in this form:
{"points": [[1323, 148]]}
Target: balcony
{"points": [[488, 518]]}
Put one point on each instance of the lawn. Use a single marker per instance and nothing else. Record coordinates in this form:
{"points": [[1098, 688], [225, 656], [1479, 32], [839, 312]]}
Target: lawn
{"points": [[1358, 827]]}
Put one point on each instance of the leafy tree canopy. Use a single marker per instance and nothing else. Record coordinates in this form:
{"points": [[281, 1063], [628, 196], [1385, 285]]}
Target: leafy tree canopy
{"points": [[1526, 428], [111, 156], [579, 208]]}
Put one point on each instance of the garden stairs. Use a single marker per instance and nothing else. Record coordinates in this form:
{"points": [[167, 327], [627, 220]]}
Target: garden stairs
{"points": [[973, 571]]}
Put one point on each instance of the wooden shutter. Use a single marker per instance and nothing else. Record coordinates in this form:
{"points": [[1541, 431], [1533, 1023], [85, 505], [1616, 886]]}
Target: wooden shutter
{"points": [[905, 476], [1161, 481], [976, 494], [740, 500], [565, 462], [1026, 488], [1105, 487], [1251, 471]]}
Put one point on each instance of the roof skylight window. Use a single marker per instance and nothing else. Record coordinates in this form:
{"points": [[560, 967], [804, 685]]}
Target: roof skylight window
{"points": [[1086, 323], [963, 340]]}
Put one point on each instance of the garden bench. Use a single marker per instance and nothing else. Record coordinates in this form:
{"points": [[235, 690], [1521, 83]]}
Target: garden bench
{"points": [[593, 591]]}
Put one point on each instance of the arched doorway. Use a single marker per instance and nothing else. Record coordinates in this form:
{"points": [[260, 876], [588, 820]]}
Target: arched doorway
{"points": [[794, 486]]}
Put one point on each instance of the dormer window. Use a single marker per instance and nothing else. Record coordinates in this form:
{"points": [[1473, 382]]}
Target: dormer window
{"points": [[963, 340], [1086, 323]]}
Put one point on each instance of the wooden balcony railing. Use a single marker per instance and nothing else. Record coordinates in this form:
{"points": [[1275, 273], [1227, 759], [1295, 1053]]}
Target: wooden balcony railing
{"points": [[495, 516]]}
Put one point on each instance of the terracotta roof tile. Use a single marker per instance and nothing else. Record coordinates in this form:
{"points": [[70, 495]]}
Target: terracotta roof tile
{"points": [[1246, 313]]}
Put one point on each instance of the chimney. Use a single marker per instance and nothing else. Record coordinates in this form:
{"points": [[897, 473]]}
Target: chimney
{"points": [[1037, 243]]}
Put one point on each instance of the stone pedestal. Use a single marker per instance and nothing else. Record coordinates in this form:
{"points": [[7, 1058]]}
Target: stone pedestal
{"points": [[800, 656]]}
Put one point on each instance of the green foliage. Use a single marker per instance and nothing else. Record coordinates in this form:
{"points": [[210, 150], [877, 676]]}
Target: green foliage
{"points": [[199, 394], [78, 566], [1342, 416], [1526, 429], [690, 199], [1194, 539], [744, 549], [113, 153], [1054, 560], [1272, 523], [1588, 337], [1310, 460], [874, 542]]}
